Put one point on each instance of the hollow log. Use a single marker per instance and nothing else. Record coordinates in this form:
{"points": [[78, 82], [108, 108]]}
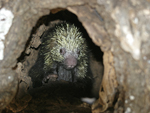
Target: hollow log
{"points": [[120, 28]]}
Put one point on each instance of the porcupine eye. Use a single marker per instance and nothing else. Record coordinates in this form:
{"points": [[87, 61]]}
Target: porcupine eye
{"points": [[62, 51]]}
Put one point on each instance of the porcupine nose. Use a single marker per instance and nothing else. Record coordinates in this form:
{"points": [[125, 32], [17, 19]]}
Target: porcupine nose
{"points": [[70, 62]]}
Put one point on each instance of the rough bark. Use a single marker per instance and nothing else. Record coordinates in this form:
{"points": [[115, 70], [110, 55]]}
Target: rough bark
{"points": [[119, 27]]}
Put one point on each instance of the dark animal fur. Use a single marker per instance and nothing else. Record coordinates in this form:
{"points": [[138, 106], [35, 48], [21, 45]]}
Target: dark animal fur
{"points": [[50, 62]]}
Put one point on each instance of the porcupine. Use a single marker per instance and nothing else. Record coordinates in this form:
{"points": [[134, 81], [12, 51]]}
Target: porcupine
{"points": [[62, 55]]}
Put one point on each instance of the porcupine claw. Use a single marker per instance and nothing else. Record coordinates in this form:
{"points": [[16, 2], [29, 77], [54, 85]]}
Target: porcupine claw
{"points": [[50, 77]]}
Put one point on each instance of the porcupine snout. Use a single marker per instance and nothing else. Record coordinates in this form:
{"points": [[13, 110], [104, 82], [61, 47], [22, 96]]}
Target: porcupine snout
{"points": [[70, 62]]}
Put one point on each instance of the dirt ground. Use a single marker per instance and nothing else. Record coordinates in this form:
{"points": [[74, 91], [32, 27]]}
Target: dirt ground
{"points": [[57, 97]]}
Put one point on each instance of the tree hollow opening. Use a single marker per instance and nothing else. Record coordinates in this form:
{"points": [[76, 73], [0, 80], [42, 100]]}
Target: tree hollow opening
{"points": [[59, 95]]}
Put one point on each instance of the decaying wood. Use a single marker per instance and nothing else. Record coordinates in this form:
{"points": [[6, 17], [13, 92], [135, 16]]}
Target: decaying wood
{"points": [[108, 87], [118, 27]]}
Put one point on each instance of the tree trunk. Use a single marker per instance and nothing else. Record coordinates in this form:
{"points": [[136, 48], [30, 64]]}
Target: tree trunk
{"points": [[121, 30]]}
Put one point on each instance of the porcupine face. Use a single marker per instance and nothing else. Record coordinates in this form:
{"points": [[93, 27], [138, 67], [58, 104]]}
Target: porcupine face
{"points": [[70, 45]]}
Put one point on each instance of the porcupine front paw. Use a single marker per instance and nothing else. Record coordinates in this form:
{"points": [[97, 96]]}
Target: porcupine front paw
{"points": [[50, 77]]}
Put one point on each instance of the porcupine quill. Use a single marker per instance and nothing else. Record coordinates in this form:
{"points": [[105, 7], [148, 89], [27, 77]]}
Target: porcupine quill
{"points": [[62, 56]]}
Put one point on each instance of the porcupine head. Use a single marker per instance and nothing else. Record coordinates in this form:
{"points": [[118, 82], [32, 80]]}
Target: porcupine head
{"points": [[66, 53]]}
